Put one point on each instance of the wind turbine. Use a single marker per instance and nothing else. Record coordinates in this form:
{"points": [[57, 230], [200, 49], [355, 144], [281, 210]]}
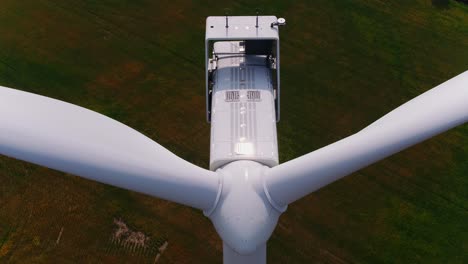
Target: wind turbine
{"points": [[245, 190]]}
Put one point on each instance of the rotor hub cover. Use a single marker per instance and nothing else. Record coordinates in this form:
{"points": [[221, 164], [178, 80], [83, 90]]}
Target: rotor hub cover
{"points": [[243, 216]]}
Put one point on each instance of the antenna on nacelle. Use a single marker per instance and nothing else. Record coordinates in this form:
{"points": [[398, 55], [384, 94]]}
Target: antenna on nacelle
{"points": [[226, 12], [256, 24]]}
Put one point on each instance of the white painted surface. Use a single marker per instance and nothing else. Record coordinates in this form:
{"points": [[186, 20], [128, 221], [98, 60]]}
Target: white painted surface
{"points": [[435, 111], [243, 124], [243, 198], [241, 27], [232, 257], [75, 140], [243, 216]]}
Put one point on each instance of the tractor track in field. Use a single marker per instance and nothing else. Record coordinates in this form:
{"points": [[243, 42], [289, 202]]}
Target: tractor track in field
{"points": [[330, 49], [7, 65], [422, 188], [18, 231], [332, 257], [122, 31]]}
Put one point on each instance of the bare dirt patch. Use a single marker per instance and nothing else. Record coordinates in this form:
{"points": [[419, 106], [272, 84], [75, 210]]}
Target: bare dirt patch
{"points": [[123, 234]]}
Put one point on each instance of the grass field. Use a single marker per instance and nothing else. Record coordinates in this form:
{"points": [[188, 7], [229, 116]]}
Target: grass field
{"points": [[344, 64]]}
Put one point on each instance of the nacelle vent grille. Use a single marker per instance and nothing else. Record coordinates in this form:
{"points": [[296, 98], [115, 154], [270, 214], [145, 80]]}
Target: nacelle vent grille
{"points": [[253, 96], [232, 96]]}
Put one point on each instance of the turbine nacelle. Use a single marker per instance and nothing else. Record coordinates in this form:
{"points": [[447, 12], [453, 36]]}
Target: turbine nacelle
{"points": [[243, 216]]}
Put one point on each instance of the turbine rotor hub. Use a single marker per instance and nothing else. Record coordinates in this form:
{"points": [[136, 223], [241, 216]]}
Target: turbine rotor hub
{"points": [[243, 216]]}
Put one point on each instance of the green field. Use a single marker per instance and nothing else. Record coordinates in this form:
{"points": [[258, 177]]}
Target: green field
{"points": [[344, 64]]}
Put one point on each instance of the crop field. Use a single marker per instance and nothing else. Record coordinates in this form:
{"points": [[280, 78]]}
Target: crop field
{"points": [[344, 64]]}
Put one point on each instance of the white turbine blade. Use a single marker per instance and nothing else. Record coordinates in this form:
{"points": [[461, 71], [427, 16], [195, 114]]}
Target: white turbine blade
{"points": [[427, 115], [75, 140]]}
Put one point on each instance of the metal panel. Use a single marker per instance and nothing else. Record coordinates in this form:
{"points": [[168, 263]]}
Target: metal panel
{"points": [[242, 28], [243, 120]]}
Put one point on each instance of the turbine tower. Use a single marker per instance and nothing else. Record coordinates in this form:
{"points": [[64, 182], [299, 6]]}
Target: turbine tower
{"points": [[246, 189]]}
